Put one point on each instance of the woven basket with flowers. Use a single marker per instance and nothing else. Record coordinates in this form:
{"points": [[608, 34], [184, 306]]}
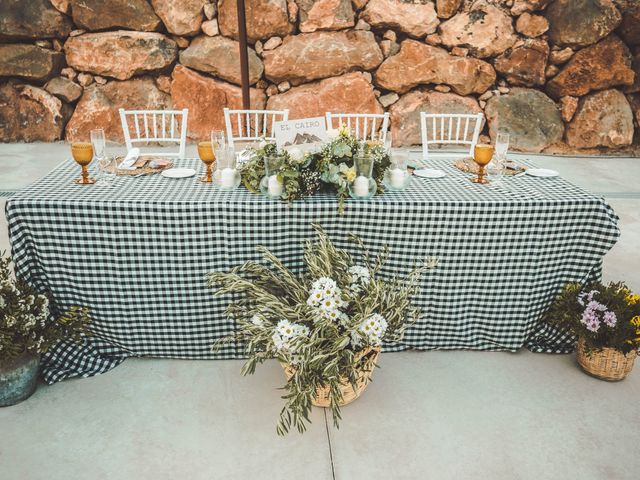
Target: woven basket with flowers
{"points": [[325, 325], [606, 321]]}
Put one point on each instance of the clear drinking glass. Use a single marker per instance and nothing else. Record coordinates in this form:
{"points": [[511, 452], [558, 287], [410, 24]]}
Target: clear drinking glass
{"points": [[106, 172], [218, 140], [498, 165]]}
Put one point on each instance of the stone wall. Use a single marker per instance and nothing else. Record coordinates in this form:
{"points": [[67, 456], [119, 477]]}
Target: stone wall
{"points": [[560, 74]]}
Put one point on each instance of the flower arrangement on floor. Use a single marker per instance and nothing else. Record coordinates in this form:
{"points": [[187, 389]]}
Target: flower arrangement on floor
{"points": [[27, 329], [297, 173], [25, 320], [305, 173], [325, 325], [606, 320]]}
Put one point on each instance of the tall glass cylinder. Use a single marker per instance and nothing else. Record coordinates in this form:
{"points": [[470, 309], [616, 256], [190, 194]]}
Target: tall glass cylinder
{"points": [[364, 186], [226, 176], [272, 184]]}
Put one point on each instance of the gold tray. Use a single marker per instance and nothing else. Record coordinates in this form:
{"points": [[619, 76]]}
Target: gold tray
{"points": [[467, 165]]}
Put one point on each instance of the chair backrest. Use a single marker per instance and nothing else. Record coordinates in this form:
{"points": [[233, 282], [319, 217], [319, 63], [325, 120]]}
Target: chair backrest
{"points": [[449, 129], [365, 126], [155, 126], [252, 125]]}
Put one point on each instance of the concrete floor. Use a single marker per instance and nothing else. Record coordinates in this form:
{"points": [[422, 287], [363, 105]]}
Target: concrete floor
{"points": [[427, 415]]}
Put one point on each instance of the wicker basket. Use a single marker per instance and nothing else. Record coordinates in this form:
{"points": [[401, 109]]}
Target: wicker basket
{"points": [[608, 364], [322, 399]]}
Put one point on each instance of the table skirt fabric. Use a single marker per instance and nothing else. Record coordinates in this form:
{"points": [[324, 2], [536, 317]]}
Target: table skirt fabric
{"points": [[137, 253]]}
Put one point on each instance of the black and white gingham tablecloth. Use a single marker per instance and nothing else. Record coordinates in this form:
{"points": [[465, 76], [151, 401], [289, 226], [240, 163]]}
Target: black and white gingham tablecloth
{"points": [[137, 253]]}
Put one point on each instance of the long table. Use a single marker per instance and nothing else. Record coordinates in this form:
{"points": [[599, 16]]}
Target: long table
{"points": [[137, 253]]}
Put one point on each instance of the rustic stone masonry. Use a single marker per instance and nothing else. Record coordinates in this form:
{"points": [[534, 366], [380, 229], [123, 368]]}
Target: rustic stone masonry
{"points": [[561, 75]]}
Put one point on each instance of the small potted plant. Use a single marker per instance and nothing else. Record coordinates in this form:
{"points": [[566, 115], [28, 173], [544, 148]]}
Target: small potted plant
{"points": [[325, 325], [26, 331], [606, 321]]}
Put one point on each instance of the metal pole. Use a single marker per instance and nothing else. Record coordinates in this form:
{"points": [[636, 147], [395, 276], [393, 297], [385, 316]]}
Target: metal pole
{"points": [[244, 55]]}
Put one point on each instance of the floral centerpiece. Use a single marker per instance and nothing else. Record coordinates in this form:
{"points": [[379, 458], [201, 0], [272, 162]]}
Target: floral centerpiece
{"points": [[27, 328], [325, 325], [336, 162], [606, 320], [297, 173], [303, 174]]}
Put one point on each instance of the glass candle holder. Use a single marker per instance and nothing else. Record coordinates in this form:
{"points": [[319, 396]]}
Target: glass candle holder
{"points": [[396, 177], [226, 176], [364, 186], [272, 184]]}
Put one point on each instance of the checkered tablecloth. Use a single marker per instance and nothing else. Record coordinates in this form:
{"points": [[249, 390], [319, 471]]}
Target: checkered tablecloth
{"points": [[137, 253]]}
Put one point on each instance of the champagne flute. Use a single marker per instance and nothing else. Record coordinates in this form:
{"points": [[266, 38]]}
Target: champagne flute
{"points": [[99, 149], [82, 153], [218, 139], [208, 157], [482, 154], [499, 163]]}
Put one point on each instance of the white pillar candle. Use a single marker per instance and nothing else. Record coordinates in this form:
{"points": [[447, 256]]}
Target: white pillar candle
{"points": [[397, 177], [274, 186], [227, 178], [361, 186]]}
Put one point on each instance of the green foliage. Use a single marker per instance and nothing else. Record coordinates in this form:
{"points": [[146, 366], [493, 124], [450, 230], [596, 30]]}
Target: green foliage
{"points": [[332, 166], [25, 320], [293, 173], [285, 315], [336, 163], [604, 315]]}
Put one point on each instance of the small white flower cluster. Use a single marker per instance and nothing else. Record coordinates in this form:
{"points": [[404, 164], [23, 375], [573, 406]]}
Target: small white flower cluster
{"points": [[326, 297], [360, 278], [258, 320], [286, 332], [373, 328]]}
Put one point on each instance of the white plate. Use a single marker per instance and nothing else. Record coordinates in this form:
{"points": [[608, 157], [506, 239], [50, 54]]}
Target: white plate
{"points": [[542, 172], [178, 172], [429, 173]]}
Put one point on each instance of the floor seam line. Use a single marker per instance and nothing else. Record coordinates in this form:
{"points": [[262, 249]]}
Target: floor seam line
{"points": [[326, 425]]}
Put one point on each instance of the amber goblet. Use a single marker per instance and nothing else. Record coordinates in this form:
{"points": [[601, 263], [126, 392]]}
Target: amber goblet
{"points": [[82, 153], [208, 157], [482, 155]]}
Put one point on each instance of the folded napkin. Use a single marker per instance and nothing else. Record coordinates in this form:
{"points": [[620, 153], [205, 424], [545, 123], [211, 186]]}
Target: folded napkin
{"points": [[130, 159]]}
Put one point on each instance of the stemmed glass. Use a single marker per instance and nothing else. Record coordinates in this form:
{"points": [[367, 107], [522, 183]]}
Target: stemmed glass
{"points": [[500, 157], [482, 154], [218, 139], [104, 163], [82, 153], [208, 157]]}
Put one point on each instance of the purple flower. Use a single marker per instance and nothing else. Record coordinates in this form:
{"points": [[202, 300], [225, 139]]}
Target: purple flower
{"points": [[610, 319], [596, 306], [591, 294], [593, 324]]}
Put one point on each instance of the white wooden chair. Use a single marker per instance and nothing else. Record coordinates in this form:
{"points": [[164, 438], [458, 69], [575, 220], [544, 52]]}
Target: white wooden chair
{"points": [[365, 126], [155, 126], [449, 129], [252, 125]]}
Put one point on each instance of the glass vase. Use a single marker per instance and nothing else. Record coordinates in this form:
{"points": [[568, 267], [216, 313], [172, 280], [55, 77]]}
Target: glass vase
{"points": [[272, 184], [396, 177], [226, 176], [363, 186]]}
